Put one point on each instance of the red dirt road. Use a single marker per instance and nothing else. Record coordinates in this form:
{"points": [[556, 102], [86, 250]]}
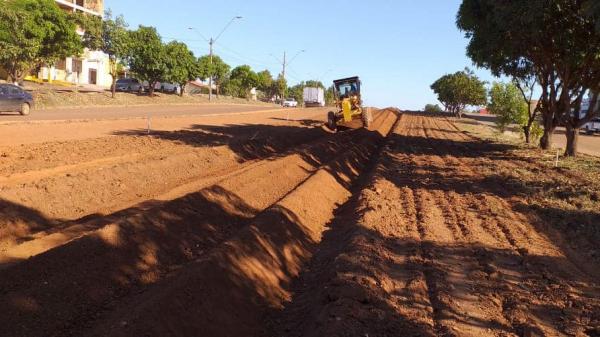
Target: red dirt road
{"points": [[412, 228]]}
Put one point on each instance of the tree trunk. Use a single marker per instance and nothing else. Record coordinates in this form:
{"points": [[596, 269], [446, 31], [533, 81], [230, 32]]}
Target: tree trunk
{"points": [[546, 140], [181, 89], [572, 141], [113, 87], [527, 132], [151, 89]]}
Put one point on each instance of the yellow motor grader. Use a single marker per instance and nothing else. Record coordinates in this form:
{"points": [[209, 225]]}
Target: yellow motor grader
{"points": [[348, 101]]}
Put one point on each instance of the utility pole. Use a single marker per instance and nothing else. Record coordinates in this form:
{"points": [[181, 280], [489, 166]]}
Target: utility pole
{"points": [[211, 42], [210, 77], [285, 63], [283, 76]]}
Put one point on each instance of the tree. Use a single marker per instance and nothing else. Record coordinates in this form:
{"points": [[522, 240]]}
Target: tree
{"points": [[115, 43], [219, 70], [557, 42], [314, 84], [147, 56], [34, 33], [507, 104], [458, 90], [297, 92], [182, 65], [265, 81], [329, 96], [432, 108], [243, 79]]}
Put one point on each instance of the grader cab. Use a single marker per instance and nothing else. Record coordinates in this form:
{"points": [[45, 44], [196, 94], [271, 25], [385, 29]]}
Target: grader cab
{"points": [[348, 103]]}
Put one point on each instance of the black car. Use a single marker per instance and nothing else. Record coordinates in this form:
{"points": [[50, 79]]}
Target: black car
{"points": [[15, 99]]}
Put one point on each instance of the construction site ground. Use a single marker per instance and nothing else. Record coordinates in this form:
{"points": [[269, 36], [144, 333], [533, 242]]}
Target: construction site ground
{"points": [[257, 225]]}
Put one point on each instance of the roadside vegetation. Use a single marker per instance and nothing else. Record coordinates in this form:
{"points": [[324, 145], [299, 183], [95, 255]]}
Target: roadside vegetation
{"points": [[555, 44], [38, 33]]}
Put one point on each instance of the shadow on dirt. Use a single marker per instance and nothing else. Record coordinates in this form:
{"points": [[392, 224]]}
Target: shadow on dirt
{"points": [[250, 141], [70, 289], [66, 288]]}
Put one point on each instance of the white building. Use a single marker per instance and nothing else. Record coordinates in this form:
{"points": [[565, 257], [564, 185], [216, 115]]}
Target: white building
{"points": [[91, 68]]}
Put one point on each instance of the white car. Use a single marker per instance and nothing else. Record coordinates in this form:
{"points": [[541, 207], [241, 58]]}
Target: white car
{"points": [[592, 126], [290, 103]]}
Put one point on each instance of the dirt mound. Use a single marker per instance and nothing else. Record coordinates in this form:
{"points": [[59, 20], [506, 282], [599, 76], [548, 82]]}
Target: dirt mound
{"points": [[124, 254]]}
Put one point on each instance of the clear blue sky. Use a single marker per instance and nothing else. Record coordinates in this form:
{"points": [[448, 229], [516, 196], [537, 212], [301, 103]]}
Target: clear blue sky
{"points": [[397, 47]]}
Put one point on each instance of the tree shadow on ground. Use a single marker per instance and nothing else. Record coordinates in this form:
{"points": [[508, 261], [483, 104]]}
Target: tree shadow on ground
{"points": [[67, 288]]}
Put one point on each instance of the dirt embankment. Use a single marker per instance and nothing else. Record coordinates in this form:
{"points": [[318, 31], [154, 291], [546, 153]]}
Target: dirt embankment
{"points": [[124, 255], [425, 232]]}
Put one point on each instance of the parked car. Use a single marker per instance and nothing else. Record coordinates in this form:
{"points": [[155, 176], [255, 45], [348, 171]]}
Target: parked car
{"points": [[129, 85], [592, 126], [169, 87], [15, 99], [290, 103]]}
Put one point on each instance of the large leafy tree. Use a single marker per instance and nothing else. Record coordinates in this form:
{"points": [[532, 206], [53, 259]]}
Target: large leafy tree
{"points": [[115, 42], [147, 56], [265, 81], [458, 90], [182, 65], [34, 33], [243, 79], [556, 41], [219, 70]]}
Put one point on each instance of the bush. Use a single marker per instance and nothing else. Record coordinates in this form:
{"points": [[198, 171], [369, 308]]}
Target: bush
{"points": [[433, 108]]}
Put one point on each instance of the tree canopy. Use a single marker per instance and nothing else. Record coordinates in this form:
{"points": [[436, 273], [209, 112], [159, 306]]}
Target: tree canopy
{"points": [[182, 65], [458, 90], [507, 104], [219, 69], [33, 33], [556, 41], [147, 56], [115, 42]]}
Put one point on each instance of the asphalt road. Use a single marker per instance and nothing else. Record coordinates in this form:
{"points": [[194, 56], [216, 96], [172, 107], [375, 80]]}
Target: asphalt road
{"points": [[588, 144], [122, 112]]}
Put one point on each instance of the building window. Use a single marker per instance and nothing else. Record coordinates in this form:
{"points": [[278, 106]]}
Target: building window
{"points": [[61, 64], [81, 3]]}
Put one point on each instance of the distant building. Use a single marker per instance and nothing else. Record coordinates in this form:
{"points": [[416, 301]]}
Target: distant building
{"points": [[92, 67]]}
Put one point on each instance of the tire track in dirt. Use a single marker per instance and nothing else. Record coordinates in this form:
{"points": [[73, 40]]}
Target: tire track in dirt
{"points": [[431, 223]]}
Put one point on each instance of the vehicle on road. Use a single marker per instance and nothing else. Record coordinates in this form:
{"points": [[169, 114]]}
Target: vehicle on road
{"points": [[129, 85], [290, 103], [592, 126], [314, 97], [169, 87], [348, 101], [15, 99]]}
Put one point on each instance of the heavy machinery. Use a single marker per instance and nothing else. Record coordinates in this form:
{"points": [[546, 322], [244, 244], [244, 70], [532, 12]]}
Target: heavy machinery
{"points": [[348, 101]]}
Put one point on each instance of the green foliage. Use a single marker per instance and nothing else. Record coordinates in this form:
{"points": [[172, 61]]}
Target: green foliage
{"points": [[219, 70], [182, 65], [92, 27], [556, 41], [265, 81], [280, 86], [458, 90], [241, 80], [33, 33], [329, 96], [314, 84], [115, 42], [433, 108], [507, 104], [147, 56], [296, 92]]}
